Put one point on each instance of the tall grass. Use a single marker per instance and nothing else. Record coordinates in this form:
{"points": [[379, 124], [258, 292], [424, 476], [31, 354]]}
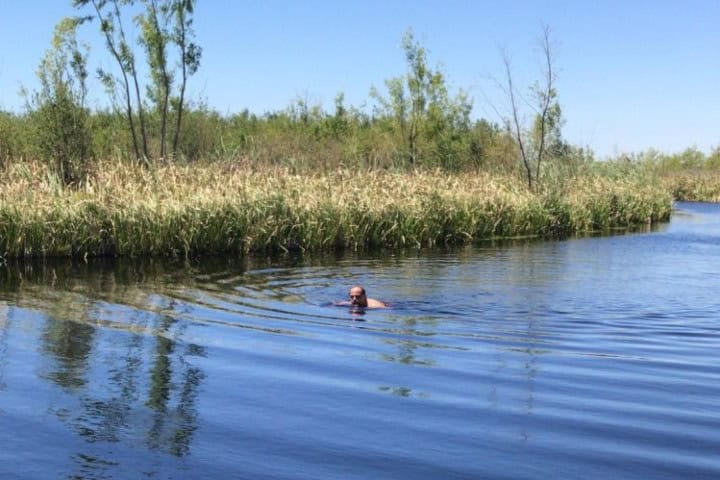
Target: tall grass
{"points": [[693, 185], [231, 207], [690, 175]]}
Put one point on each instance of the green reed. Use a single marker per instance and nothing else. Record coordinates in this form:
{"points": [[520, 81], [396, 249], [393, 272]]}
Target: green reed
{"points": [[219, 207]]}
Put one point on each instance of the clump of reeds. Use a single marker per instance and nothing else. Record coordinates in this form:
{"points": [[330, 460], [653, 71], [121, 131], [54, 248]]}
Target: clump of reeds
{"points": [[220, 207], [694, 185]]}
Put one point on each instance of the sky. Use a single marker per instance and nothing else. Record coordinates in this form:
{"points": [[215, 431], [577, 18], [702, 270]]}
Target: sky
{"points": [[633, 75]]}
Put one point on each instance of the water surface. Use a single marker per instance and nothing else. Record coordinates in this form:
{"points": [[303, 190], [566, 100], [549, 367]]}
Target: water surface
{"points": [[592, 357]]}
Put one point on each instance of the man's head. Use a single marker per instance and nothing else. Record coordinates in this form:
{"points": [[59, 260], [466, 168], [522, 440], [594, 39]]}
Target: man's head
{"points": [[358, 297]]}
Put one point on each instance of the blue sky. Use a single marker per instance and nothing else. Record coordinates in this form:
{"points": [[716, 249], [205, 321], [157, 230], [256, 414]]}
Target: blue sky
{"points": [[633, 74]]}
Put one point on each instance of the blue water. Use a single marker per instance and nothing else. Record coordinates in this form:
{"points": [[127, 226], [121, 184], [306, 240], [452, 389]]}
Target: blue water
{"points": [[591, 358]]}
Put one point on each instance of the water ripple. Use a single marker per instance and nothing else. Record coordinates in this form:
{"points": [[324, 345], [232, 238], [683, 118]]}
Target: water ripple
{"points": [[592, 357]]}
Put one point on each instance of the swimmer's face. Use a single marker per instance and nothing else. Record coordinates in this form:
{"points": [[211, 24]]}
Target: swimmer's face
{"points": [[358, 297]]}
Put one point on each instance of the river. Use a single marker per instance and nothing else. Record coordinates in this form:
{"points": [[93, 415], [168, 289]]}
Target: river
{"points": [[591, 358]]}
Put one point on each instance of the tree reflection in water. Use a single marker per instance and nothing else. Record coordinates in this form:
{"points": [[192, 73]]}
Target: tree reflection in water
{"points": [[119, 358], [4, 322], [172, 427], [70, 344]]}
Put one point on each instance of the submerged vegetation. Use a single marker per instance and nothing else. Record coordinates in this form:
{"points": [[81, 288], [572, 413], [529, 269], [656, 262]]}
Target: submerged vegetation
{"points": [[158, 174]]}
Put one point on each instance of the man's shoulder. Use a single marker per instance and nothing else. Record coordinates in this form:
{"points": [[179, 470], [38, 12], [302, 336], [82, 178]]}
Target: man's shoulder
{"points": [[372, 303]]}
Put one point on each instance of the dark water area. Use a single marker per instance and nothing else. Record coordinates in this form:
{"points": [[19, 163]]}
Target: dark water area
{"points": [[593, 358]]}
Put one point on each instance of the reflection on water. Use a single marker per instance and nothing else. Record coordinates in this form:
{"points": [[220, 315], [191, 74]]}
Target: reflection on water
{"points": [[590, 357], [4, 332], [125, 375], [69, 342]]}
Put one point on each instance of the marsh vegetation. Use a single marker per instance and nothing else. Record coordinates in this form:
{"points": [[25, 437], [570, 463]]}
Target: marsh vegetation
{"points": [[234, 207], [158, 174]]}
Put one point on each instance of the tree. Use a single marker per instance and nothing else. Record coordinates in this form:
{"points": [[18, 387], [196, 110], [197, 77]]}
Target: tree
{"points": [[533, 142], [155, 38], [421, 110], [108, 14], [163, 24], [190, 54], [58, 108]]}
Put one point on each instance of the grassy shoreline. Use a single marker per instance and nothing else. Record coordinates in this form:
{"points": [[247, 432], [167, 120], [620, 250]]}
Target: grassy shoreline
{"points": [[693, 185], [219, 207]]}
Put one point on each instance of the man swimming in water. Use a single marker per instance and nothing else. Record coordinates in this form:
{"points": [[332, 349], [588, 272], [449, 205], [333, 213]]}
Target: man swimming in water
{"points": [[358, 298]]}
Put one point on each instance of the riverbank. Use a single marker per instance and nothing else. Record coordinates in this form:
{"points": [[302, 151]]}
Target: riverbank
{"points": [[230, 207]]}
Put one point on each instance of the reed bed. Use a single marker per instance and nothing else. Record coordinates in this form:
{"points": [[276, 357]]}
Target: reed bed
{"points": [[220, 207], [693, 186]]}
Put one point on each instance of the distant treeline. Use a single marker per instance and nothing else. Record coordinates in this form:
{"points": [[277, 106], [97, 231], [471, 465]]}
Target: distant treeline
{"points": [[302, 135], [306, 137]]}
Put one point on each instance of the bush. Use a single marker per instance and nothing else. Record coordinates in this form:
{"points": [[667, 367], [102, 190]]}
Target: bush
{"points": [[58, 114], [62, 135]]}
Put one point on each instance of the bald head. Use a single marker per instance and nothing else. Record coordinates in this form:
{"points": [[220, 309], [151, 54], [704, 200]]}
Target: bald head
{"points": [[358, 297]]}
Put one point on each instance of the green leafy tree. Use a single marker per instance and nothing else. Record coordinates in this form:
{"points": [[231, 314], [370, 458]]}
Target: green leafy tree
{"points": [[9, 124], [190, 55], [155, 38], [58, 109], [109, 16], [427, 119], [165, 27], [713, 160]]}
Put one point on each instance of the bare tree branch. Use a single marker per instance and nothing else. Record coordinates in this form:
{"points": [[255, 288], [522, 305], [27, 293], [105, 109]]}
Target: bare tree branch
{"points": [[516, 118]]}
